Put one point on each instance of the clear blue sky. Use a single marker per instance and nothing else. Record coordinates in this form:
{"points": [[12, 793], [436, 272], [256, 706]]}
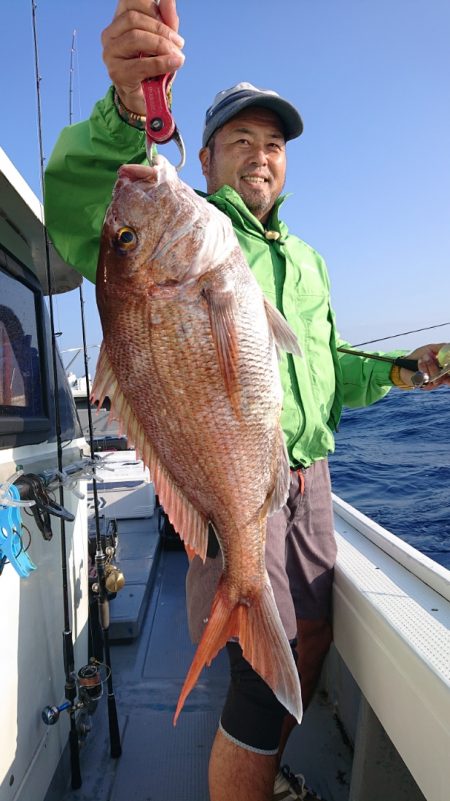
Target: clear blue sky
{"points": [[370, 176]]}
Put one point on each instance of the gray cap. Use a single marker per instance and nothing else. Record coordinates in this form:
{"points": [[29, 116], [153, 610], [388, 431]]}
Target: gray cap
{"points": [[230, 102]]}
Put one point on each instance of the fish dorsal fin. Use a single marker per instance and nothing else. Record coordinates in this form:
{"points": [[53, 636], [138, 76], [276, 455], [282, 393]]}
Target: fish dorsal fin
{"points": [[222, 315], [283, 334], [191, 525], [283, 477]]}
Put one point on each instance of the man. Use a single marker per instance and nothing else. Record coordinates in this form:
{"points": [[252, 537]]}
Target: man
{"points": [[243, 159]]}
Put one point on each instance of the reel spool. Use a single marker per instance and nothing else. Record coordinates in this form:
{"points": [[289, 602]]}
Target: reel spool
{"points": [[90, 682], [90, 686]]}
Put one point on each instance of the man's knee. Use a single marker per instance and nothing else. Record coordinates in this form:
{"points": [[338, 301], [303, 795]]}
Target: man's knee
{"points": [[252, 716]]}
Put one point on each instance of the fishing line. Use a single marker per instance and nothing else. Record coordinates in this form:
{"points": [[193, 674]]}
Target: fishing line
{"points": [[70, 688], [72, 53], [403, 334], [100, 555]]}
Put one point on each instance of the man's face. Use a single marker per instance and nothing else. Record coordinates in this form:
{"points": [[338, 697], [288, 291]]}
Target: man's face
{"points": [[248, 154]]}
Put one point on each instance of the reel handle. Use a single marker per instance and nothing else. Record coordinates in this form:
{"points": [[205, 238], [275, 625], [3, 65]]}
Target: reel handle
{"points": [[50, 714]]}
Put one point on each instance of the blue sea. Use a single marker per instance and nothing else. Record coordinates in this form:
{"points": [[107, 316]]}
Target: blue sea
{"points": [[392, 462]]}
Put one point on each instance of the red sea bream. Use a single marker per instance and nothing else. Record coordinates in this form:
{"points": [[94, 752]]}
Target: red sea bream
{"points": [[189, 362]]}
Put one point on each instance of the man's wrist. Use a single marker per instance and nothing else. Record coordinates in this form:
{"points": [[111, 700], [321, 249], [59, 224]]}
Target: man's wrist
{"points": [[397, 380], [130, 117]]}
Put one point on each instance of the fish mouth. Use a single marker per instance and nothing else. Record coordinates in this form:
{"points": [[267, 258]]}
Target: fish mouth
{"points": [[159, 172], [138, 172]]}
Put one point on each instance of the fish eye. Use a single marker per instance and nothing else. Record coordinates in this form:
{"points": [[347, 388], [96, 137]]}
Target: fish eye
{"points": [[126, 238]]}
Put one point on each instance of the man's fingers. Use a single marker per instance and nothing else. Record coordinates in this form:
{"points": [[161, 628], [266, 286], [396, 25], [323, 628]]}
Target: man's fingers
{"points": [[139, 69], [136, 21], [149, 7], [136, 42], [168, 11]]}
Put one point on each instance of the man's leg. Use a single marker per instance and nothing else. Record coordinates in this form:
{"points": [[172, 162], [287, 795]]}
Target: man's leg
{"points": [[236, 774], [243, 762], [310, 558], [314, 640]]}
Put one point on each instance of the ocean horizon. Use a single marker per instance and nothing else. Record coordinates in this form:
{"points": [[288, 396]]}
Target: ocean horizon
{"points": [[392, 462]]}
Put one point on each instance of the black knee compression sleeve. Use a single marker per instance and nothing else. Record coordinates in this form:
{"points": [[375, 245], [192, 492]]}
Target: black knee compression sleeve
{"points": [[252, 716]]}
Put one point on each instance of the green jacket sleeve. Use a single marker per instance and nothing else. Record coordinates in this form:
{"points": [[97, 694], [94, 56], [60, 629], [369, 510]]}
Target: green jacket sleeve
{"points": [[79, 180], [364, 380]]}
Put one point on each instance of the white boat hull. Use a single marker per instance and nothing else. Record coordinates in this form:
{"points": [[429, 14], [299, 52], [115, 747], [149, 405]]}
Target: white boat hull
{"points": [[31, 627]]}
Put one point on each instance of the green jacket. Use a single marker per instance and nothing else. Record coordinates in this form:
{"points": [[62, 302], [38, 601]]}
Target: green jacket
{"points": [[78, 185]]}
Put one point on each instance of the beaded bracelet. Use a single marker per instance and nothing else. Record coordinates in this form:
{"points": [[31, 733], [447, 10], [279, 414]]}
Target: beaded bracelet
{"points": [[135, 120], [396, 380]]}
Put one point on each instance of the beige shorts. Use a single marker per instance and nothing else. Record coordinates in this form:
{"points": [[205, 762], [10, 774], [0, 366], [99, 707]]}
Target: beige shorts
{"points": [[300, 557]]}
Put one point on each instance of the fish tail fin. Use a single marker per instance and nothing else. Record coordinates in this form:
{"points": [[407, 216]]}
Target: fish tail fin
{"points": [[222, 625], [258, 626], [265, 645]]}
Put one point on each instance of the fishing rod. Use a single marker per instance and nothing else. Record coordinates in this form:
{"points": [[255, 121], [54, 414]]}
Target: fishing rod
{"points": [[402, 334], [70, 687], [76, 351], [100, 555], [400, 361], [100, 565]]}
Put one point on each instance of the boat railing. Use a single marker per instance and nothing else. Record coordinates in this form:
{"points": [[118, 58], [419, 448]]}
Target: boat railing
{"points": [[391, 628]]}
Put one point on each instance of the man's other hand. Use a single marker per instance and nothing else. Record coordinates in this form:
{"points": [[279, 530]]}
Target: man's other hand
{"points": [[428, 363]]}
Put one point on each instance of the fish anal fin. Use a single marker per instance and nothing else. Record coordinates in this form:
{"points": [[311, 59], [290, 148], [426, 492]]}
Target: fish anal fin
{"points": [[282, 333], [222, 310], [257, 624], [191, 525]]}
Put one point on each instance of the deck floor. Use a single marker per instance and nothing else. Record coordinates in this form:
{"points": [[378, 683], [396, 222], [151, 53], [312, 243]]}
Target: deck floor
{"points": [[163, 763]]}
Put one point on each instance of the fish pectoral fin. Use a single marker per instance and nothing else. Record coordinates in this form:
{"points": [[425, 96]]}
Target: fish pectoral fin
{"points": [[282, 332], [191, 525], [262, 639], [282, 478], [222, 316]]}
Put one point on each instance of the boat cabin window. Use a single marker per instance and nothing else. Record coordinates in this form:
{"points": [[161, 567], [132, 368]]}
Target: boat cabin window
{"points": [[23, 391]]}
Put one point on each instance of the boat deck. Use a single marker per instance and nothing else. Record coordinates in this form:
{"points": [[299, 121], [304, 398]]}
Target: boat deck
{"points": [[163, 763], [377, 646]]}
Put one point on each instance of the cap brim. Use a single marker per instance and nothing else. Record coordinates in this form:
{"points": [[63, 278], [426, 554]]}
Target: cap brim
{"points": [[290, 118]]}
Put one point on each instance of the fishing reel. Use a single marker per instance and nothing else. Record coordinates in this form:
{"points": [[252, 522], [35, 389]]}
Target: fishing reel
{"points": [[89, 690], [108, 538], [114, 581], [113, 577]]}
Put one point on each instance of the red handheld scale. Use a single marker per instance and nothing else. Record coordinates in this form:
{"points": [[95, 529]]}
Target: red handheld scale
{"points": [[160, 125]]}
